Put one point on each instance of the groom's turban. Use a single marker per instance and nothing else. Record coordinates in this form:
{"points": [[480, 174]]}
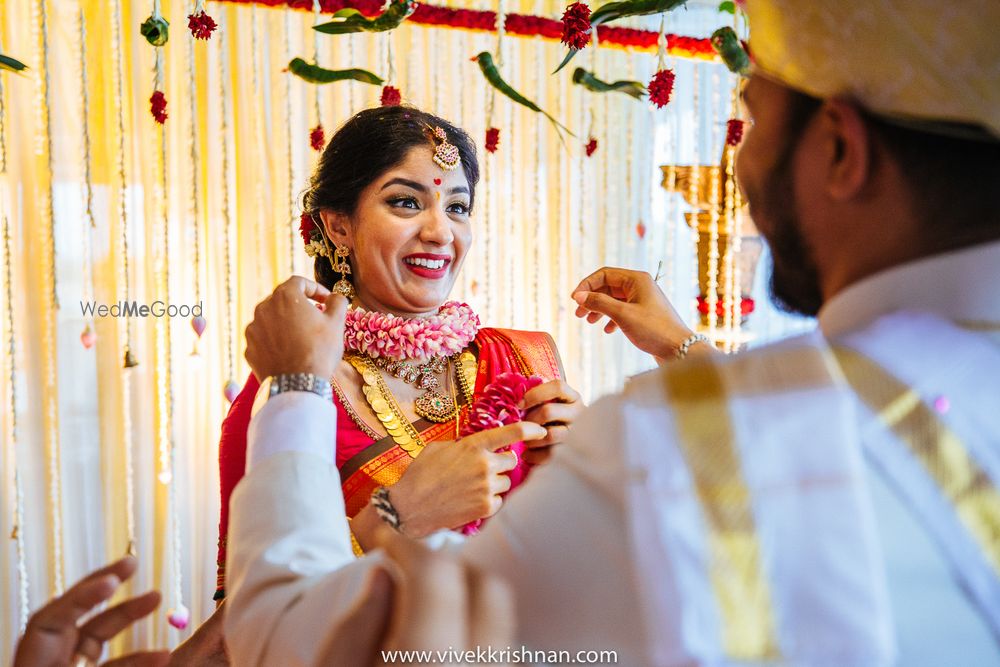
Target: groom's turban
{"points": [[925, 63]]}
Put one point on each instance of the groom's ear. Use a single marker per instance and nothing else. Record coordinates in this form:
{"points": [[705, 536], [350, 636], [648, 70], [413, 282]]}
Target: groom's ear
{"points": [[337, 227]]}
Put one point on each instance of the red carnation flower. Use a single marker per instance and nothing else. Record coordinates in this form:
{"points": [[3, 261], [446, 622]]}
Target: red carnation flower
{"points": [[492, 139], [316, 137], [734, 132], [576, 26], [591, 146], [306, 227], [158, 106], [497, 406], [201, 25], [391, 97], [661, 88]]}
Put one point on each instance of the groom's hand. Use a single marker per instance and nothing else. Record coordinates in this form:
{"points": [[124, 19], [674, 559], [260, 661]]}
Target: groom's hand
{"points": [[634, 303], [289, 334]]}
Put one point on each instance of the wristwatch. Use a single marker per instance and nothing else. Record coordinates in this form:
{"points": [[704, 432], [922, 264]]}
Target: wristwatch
{"points": [[285, 382]]}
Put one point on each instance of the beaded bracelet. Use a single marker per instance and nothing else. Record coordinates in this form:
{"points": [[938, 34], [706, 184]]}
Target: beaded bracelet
{"points": [[384, 507], [689, 341]]}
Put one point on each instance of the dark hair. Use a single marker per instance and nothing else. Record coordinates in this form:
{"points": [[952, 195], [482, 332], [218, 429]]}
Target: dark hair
{"points": [[369, 144], [953, 181], [952, 177]]}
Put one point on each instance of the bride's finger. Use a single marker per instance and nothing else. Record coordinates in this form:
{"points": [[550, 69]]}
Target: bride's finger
{"points": [[610, 327], [594, 318]]}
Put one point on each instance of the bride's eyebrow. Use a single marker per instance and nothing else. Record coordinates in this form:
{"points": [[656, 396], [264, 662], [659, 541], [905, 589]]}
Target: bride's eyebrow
{"points": [[405, 182]]}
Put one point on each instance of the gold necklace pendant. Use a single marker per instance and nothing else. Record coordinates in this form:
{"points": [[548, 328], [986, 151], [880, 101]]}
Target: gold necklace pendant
{"points": [[435, 406]]}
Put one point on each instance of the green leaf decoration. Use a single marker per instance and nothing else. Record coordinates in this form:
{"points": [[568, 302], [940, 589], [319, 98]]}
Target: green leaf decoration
{"points": [[350, 20], [614, 11], [155, 30], [492, 74], [12, 65], [316, 74], [728, 46], [584, 78], [728, 7]]}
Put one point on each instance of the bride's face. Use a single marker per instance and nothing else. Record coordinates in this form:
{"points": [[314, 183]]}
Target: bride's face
{"points": [[408, 236]]}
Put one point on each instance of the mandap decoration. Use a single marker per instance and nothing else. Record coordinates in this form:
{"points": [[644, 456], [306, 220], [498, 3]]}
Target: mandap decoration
{"points": [[188, 227]]}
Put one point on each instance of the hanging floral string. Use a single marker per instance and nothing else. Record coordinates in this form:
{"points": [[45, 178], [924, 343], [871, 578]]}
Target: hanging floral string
{"points": [[492, 132], [200, 23], [17, 532], [661, 87], [43, 100], [539, 90], [261, 218], [290, 190], [694, 182], [156, 30], [231, 389], [390, 96], [88, 337], [714, 186], [198, 322], [130, 361], [317, 138]]}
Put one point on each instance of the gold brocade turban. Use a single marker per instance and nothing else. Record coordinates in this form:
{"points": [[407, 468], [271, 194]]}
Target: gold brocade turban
{"points": [[921, 62]]}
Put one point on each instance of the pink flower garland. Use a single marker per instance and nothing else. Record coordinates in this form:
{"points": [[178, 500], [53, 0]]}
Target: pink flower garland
{"points": [[381, 335], [495, 407]]}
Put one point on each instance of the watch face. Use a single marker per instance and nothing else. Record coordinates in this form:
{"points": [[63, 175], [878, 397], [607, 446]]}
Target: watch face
{"points": [[261, 397]]}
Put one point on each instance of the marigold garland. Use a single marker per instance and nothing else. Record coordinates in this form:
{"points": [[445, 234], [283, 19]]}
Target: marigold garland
{"points": [[525, 25]]}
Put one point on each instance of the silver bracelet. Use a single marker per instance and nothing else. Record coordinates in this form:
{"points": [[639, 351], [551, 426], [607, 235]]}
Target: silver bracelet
{"points": [[300, 382], [689, 341]]}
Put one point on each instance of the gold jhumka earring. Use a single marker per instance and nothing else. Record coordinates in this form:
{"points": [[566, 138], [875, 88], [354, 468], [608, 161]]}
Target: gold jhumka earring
{"points": [[341, 266]]}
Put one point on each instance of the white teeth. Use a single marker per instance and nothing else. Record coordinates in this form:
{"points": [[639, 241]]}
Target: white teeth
{"points": [[432, 264]]}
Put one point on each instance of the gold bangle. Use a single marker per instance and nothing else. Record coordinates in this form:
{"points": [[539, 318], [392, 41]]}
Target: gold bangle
{"points": [[355, 545]]}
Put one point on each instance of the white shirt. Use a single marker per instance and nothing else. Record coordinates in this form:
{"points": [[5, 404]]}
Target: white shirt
{"points": [[564, 538], [932, 615]]}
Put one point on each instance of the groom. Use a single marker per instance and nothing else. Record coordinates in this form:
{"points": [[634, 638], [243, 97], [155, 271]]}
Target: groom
{"points": [[828, 500]]}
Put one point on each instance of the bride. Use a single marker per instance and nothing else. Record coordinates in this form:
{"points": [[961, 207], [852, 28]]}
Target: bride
{"points": [[388, 221]]}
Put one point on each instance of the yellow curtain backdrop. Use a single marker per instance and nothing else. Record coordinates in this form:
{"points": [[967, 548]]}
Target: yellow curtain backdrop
{"points": [[104, 454]]}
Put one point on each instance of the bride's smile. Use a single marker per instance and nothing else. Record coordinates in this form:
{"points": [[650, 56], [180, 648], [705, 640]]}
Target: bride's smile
{"points": [[408, 235]]}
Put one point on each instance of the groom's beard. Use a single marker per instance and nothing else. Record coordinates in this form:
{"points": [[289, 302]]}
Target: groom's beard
{"points": [[794, 279]]}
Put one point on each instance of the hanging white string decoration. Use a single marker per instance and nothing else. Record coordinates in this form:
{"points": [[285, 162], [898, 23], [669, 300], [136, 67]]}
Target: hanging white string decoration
{"points": [[87, 337], [198, 322], [231, 389], [43, 101]]}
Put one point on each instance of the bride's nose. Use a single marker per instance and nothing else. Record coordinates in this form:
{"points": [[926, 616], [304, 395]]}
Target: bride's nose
{"points": [[436, 228]]}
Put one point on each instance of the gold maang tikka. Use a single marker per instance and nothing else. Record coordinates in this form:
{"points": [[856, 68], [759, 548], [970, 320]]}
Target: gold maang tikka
{"points": [[446, 154]]}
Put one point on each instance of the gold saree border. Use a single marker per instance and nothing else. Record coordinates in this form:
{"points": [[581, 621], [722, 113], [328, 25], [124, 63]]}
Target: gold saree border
{"points": [[708, 443], [938, 449]]}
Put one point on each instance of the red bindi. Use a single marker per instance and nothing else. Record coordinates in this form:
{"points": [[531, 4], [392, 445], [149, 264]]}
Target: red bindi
{"points": [[437, 181]]}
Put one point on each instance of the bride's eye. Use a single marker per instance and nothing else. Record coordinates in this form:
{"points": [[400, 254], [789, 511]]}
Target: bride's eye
{"points": [[404, 202], [459, 208]]}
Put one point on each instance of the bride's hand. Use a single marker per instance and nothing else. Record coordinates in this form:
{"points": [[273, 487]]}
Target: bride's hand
{"points": [[453, 483], [555, 406]]}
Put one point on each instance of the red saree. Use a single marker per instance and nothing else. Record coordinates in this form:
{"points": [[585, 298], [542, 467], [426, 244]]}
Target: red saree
{"points": [[366, 463]]}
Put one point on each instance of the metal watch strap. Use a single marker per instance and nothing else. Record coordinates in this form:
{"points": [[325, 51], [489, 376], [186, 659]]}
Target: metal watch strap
{"points": [[301, 382]]}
